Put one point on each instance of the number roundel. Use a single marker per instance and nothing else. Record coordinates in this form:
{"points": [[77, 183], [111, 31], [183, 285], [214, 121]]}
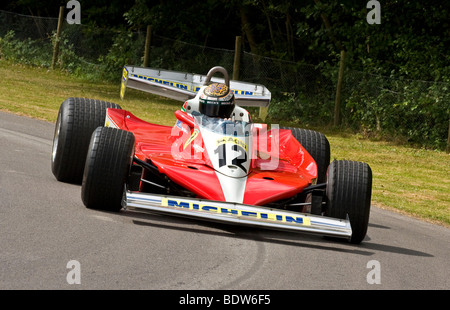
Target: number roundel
{"points": [[237, 160]]}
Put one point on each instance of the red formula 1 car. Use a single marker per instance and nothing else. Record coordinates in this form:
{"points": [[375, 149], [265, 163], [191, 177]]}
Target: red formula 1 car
{"points": [[213, 164]]}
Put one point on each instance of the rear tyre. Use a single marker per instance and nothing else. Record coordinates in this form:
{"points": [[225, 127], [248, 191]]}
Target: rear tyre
{"points": [[317, 146], [349, 190], [77, 119], [108, 163]]}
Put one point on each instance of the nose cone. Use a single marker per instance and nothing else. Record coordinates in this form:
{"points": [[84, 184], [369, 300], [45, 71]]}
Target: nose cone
{"points": [[233, 188]]}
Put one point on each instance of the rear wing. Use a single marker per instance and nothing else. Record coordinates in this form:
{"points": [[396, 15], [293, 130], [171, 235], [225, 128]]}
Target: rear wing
{"points": [[182, 86]]}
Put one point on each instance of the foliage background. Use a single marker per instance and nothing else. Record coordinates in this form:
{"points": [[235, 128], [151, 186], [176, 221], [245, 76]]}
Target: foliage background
{"points": [[397, 73]]}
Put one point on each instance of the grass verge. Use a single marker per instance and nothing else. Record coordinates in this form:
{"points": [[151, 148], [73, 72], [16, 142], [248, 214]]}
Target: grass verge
{"points": [[38, 93], [407, 180]]}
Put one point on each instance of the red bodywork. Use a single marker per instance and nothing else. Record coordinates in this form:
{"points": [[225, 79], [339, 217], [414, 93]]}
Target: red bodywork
{"points": [[189, 166]]}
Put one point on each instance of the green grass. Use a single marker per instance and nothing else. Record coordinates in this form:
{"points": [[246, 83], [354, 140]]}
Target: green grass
{"points": [[409, 180], [405, 179], [38, 92]]}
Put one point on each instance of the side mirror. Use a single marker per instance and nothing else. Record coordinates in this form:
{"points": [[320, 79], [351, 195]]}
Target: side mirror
{"points": [[185, 118]]}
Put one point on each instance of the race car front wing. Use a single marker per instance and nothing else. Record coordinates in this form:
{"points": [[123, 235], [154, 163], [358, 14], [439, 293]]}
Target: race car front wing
{"points": [[235, 213]]}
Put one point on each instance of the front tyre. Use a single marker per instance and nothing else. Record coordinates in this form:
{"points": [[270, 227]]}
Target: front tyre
{"points": [[108, 163], [77, 119], [317, 145], [349, 190]]}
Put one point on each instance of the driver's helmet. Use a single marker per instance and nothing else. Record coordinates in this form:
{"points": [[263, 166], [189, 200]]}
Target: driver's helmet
{"points": [[217, 100]]}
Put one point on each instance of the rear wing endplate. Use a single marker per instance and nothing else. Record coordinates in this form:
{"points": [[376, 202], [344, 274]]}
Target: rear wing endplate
{"points": [[182, 86]]}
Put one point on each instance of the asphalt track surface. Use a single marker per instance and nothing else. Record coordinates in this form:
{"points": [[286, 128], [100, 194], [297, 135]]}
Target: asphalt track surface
{"points": [[44, 225]]}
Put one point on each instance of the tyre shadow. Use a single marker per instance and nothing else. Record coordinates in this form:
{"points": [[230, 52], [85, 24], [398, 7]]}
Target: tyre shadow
{"points": [[366, 248]]}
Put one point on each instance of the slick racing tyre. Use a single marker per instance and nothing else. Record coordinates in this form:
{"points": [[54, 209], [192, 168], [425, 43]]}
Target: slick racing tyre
{"points": [[108, 163], [77, 119], [317, 146], [349, 190]]}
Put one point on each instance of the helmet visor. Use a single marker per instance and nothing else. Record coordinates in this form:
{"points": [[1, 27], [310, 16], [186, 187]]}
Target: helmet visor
{"points": [[216, 109]]}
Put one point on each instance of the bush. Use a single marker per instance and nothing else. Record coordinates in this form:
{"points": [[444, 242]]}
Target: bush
{"points": [[126, 49], [29, 52], [415, 110]]}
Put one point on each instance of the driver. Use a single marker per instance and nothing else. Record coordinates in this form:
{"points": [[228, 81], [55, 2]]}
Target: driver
{"points": [[217, 100], [218, 103]]}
